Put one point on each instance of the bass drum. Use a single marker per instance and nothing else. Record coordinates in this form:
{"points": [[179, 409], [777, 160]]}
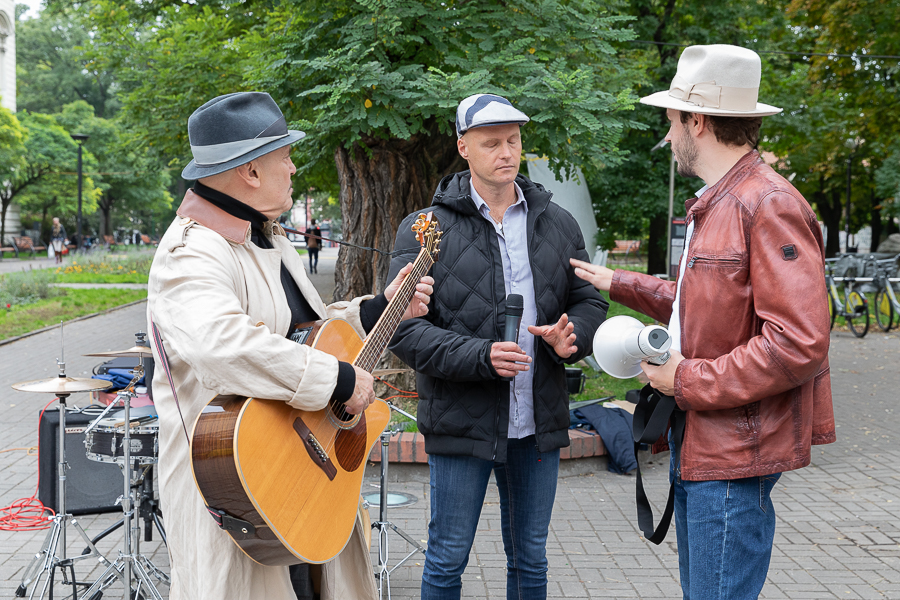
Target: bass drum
{"points": [[106, 442]]}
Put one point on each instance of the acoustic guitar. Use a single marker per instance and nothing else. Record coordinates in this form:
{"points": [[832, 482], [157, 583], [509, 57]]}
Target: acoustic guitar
{"points": [[283, 482]]}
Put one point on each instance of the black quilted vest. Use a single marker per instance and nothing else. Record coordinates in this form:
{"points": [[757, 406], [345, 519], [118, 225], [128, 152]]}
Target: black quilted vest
{"points": [[463, 405]]}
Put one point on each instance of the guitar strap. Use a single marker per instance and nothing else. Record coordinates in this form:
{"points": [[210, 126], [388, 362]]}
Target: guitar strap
{"points": [[165, 363], [237, 527], [652, 416]]}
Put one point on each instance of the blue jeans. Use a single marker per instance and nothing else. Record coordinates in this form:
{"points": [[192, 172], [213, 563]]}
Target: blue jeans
{"points": [[527, 485], [725, 530]]}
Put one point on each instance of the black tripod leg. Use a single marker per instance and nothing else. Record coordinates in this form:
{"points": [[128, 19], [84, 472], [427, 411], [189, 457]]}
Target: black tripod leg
{"points": [[160, 528]]}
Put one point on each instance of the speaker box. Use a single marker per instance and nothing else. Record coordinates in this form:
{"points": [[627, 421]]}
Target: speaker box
{"points": [[91, 487]]}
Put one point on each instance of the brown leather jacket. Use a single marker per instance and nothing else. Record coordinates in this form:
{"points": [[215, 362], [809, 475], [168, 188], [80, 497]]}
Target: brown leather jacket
{"points": [[755, 383]]}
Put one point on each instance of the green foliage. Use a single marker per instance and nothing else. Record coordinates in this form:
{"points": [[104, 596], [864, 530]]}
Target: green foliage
{"points": [[51, 69], [364, 71], [887, 181], [126, 177], [102, 268], [26, 287], [70, 304], [169, 58], [42, 164]]}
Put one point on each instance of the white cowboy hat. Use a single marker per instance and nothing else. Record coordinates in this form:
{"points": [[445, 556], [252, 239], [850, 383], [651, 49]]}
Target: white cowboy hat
{"points": [[715, 80]]}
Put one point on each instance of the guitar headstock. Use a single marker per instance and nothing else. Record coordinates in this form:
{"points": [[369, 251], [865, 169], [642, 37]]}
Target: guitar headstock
{"points": [[428, 234]]}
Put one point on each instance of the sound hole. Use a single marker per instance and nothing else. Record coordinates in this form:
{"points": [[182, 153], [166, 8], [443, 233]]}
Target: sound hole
{"points": [[340, 418]]}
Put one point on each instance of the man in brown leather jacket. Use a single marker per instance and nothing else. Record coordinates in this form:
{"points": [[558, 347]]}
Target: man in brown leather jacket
{"points": [[749, 322]]}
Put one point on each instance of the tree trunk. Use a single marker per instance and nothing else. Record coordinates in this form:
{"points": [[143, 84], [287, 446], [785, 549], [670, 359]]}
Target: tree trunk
{"points": [[875, 223], [4, 204], [830, 210], [378, 189], [105, 206]]}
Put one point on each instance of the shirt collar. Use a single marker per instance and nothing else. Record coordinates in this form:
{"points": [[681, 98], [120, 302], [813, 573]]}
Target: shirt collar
{"points": [[482, 206]]}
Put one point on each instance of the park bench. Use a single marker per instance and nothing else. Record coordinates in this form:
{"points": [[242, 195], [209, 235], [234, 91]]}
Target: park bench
{"points": [[26, 244], [110, 242], [626, 247], [146, 239], [8, 248]]}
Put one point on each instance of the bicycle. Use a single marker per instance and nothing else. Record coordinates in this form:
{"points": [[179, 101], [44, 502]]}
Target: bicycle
{"points": [[854, 308], [886, 303]]}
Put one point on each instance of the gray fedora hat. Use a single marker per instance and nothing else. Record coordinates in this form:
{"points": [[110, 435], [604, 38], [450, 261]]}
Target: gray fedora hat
{"points": [[234, 129]]}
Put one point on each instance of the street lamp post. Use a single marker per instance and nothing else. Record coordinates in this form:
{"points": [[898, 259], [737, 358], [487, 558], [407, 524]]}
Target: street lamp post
{"points": [[80, 138]]}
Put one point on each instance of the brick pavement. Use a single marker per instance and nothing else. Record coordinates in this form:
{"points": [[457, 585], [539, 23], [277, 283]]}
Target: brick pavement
{"points": [[838, 532]]}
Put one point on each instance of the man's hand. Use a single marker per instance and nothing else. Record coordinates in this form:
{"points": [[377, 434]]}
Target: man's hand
{"points": [[599, 277], [506, 357], [662, 378], [422, 296], [363, 394], [561, 336]]}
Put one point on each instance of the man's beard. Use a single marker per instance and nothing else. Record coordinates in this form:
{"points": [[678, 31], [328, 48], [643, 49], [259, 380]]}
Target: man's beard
{"points": [[687, 157]]}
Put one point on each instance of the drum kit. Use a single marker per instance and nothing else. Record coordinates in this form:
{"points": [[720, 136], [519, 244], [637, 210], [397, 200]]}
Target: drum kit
{"points": [[133, 444]]}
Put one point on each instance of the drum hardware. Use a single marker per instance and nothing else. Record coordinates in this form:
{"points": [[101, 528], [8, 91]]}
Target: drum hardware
{"points": [[52, 554], [147, 507], [382, 571], [131, 566]]}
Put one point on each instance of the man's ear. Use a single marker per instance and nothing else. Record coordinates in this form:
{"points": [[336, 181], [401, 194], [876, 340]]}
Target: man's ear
{"points": [[462, 147], [698, 124], [249, 174]]}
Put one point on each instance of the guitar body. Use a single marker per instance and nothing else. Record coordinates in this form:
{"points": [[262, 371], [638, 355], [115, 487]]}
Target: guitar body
{"points": [[294, 476]]}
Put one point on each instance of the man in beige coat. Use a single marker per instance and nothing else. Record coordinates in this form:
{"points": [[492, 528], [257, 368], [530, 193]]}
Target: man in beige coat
{"points": [[225, 288]]}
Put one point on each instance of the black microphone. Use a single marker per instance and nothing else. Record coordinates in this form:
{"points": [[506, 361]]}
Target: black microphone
{"points": [[515, 306]]}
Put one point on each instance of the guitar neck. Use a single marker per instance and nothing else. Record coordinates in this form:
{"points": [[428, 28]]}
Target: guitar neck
{"points": [[384, 329]]}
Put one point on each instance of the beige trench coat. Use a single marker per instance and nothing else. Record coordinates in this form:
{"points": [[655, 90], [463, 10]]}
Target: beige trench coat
{"points": [[218, 302]]}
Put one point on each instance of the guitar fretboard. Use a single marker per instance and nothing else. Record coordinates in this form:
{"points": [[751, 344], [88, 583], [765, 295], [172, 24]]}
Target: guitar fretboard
{"points": [[384, 329]]}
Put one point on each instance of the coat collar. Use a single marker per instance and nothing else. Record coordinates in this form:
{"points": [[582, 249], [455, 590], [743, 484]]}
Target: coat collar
{"points": [[453, 192], [715, 192], [231, 228]]}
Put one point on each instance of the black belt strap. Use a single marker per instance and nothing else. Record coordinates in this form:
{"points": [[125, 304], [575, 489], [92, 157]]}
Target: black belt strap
{"points": [[652, 417]]}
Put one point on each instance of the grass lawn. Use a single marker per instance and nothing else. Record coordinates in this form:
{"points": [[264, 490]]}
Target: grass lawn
{"points": [[72, 304]]}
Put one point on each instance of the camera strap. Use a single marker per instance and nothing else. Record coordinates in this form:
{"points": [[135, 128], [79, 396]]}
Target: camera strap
{"points": [[653, 415]]}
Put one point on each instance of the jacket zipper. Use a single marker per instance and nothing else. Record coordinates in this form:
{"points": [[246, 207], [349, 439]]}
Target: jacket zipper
{"points": [[488, 233], [714, 260]]}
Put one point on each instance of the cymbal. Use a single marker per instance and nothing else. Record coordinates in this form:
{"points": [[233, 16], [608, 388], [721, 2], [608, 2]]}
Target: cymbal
{"points": [[62, 385], [135, 351]]}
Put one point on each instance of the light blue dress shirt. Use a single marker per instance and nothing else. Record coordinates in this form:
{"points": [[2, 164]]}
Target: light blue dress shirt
{"points": [[512, 235]]}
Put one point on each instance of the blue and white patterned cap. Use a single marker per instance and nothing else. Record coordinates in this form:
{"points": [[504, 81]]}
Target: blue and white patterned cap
{"points": [[482, 110]]}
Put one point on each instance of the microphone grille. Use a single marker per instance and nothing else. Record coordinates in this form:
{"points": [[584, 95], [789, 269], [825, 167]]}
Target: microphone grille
{"points": [[515, 304]]}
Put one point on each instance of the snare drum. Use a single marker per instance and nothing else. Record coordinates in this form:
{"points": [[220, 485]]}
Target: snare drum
{"points": [[106, 442]]}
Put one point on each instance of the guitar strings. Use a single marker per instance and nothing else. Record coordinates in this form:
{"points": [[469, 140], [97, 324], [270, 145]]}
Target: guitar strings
{"points": [[366, 359], [391, 316]]}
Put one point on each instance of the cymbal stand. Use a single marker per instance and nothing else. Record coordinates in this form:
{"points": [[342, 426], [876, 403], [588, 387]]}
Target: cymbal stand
{"points": [[382, 572], [131, 566], [52, 554]]}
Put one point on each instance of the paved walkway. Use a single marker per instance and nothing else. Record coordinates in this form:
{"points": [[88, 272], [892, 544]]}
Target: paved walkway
{"points": [[838, 532]]}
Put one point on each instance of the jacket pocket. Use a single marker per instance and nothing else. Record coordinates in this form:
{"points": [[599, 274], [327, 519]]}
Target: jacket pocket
{"points": [[715, 260]]}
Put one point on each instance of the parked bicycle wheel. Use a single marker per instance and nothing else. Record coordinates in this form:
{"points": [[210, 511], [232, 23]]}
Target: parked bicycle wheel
{"points": [[884, 310], [857, 314]]}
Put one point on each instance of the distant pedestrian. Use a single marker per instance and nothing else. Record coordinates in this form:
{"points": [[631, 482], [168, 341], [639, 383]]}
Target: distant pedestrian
{"points": [[58, 239], [313, 242]]}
